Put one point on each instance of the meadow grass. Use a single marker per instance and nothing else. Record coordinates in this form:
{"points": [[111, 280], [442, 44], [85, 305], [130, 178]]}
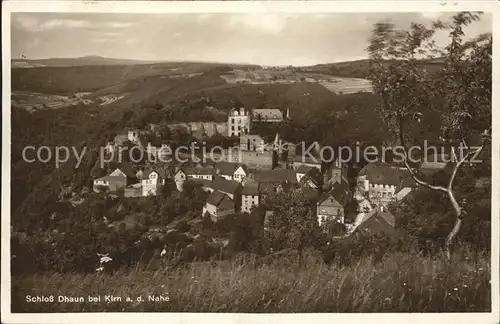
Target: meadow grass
{"points": [[397, 283]]}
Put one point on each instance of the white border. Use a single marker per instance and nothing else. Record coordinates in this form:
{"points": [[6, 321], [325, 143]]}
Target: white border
{"points": [[244, 7]]}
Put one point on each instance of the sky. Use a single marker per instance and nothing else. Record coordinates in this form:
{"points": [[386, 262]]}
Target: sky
{"points": [[264, 38]]}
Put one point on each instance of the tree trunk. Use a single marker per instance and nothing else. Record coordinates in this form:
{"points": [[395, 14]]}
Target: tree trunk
{"points": [[456, 227]]}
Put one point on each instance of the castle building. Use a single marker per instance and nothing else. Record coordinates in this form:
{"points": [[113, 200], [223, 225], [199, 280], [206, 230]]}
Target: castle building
{"points": [[238, 122]]}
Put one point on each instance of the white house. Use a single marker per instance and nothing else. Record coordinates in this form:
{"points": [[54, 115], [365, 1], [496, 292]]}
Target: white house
{"points": [[179, 179], [218, 205], [231, 171], [250, 196], [151, 181], [201, 173], [384, 184], [238, 122]]}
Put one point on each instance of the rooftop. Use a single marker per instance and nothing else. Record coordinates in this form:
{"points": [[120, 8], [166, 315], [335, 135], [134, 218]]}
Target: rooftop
{"points": [[276, 176], [387, 175], [224, 185], [251, 189], [220, 200], [228, 168], [266, 114]]}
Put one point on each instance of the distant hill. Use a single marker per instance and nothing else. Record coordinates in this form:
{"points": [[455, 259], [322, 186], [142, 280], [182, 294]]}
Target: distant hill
{"points": [[360, 68], [79, 61]]}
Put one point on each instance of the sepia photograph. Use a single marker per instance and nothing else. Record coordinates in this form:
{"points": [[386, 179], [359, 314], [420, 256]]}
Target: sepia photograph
{"points": [[258, 160]]}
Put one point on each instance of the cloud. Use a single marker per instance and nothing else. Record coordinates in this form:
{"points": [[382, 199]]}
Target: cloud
{"points": [[117, 24], [27, 22], [203, 18], [32, 24], [131, 41], [63, 23], [177, 35], [268, 23]]}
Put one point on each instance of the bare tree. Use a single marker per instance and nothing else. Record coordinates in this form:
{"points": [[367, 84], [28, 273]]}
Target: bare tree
{"points": [[421, 83]]}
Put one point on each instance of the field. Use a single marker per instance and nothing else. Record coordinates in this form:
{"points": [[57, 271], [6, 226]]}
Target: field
{"points": [[348, 85], [338, 85], [397, 283], [36, 101]]}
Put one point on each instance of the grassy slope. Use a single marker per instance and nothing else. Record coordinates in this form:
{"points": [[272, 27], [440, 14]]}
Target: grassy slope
{"points": [[399, 283], [71, 79]]}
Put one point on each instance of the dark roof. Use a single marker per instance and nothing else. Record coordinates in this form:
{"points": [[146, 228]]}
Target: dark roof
{"points": [[251, 189], [203, 182], [329, 200], [128, 169], [226, 203], [163, 173], [227, 168], [224, 185], [268, 113], [387, 175], [200, 170], [276, 176], [220, 199], [215, 198], [339, 192], [376, 223], [314, 175], [384, 215]]}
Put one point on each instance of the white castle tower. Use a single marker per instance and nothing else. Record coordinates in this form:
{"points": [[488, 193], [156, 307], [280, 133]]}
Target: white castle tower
{"points": [[238, 122]]}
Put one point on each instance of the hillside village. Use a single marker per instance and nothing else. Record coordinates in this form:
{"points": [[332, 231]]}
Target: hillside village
{"points": [[257, 167]]}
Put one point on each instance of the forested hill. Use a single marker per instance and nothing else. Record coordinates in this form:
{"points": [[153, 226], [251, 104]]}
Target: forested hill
{"points": [[360, 68]]}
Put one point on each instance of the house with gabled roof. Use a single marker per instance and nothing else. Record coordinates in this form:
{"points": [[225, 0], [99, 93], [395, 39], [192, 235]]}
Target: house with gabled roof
{"points": [[126, 170], [218, 205], [119, 178], [229, 187], [267, 115], [201, 172], [332, 205], [152, 180], [110, 183], [336, 172], [231, 171], [180, 177], [329, 208], [275, 180], [384, 183], [250, 196], [379, 221], [309, 176]]}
